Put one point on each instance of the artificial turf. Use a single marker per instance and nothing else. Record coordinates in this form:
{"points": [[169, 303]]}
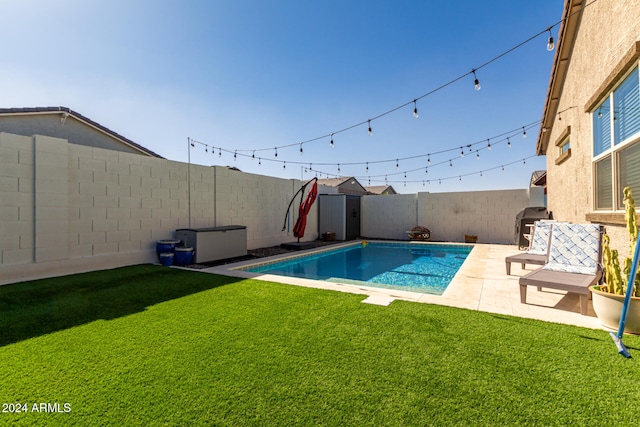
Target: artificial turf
{"points": [[149, 345]]}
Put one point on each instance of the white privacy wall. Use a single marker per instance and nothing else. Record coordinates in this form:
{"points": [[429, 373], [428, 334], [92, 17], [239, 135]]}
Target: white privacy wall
{"points": [[389, 216], [490, 215], [66, 208]]}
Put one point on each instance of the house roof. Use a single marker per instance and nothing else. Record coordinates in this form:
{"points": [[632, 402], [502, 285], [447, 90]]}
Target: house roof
{"points": [[80, 117], [335, 182], [381, 189], [571, 17], [539, 178]]}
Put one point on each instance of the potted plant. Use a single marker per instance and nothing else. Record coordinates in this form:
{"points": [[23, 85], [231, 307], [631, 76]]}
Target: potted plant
{"points": [[608, 298], [184, 254]]}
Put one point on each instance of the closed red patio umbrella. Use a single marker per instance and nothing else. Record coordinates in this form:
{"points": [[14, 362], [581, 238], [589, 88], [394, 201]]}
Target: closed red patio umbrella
{"points": [[303, 211]]}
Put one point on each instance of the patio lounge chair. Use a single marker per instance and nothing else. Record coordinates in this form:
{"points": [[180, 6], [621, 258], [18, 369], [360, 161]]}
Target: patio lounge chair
{"points": [[537, 252], [573, 264]]}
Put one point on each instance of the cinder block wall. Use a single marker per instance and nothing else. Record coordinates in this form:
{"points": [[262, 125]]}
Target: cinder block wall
{"points": [[67, 208], [490, 215], [388, 217]]}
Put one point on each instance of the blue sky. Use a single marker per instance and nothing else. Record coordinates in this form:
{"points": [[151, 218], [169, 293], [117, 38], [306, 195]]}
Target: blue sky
{"points": [[251, 75]]}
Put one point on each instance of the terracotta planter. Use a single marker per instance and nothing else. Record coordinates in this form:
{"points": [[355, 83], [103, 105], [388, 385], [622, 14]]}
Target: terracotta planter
{"points": [[608, 308]]}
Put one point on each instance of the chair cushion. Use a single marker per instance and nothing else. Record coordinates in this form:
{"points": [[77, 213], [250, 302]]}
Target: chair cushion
{"points": [[574, 248], [540, 240]]}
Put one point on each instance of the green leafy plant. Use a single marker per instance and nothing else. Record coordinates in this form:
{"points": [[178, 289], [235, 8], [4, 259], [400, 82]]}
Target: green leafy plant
{"points": [[616, 278]]}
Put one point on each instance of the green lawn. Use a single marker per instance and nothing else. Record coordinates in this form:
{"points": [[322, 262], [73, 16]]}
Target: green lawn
{"points": [[148, 345]]}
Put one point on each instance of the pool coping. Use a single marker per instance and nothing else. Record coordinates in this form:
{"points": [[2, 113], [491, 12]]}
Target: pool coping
{"points": [[480, 284]]}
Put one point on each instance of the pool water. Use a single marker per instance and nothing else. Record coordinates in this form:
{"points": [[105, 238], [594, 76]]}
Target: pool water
{"points": [[425, 268]]}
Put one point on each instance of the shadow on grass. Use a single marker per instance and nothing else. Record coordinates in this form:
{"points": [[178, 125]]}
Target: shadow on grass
{"points": [[31, 309]]}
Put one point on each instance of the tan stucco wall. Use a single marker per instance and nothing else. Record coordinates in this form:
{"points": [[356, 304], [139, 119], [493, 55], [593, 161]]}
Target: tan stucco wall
{"points": [[607, 31]]}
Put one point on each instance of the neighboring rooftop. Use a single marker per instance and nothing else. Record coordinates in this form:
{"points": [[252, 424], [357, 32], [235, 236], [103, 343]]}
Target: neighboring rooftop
{"points": [[381, 189], [74, 136]]}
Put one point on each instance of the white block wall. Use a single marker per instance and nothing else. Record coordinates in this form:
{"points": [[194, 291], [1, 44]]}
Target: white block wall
{"points": [[67, 208], [388, 217], [490, 215]]}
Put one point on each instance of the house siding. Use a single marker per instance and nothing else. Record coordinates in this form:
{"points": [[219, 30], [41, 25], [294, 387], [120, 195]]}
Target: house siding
{"points": [[607, 30]]}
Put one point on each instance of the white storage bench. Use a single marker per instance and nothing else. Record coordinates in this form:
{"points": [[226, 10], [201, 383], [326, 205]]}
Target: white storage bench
{"points": [[215, 243]]}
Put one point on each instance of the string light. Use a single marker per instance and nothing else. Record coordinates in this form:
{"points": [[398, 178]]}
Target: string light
{"points": [[284, 165], [338, 167], [397, 166], [426, 171], [301, 148], [550, 44], [461, 152], [477, 155], [450, 164], [235, 156], [370, 131], [331, 142], [428, 159], [524, 132], [367, 170], [476, 82], [488, 145], [220, 152], [508, 143], [253, 156], [259, 161], [454, 80], [192, 145], [415, 108], [205, 148], [275, 156]]}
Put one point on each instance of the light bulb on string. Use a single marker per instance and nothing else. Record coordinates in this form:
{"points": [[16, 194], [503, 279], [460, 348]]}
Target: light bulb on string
{"points": [[524, 161], [461, 152], [219, 152], [524, 132], [301, 148], [338, 167], [275, 156], [205, 148], [426, 171], [488, 145], [450, 164], [370, 131], [253, 155], [235, 155], [508, 143], [284, 165], [550, 44], [439, 181], [331, 141], [259, 161], [502, 168], [397, 166], [477, 154], [193, 145], [428, 159], [476, 82], [367, 170], [460, 178], [480, 173], [415, 108]]}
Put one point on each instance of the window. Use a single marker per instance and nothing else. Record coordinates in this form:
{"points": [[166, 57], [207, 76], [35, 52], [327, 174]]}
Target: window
{"points": [[564, 146], [616, 144]]}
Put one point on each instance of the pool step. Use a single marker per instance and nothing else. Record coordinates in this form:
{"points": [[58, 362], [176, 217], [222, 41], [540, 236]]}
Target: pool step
{"points": [[383, 300]]}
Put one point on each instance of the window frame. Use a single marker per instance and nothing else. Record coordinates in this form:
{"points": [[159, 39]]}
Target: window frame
{"points": [[615, 149]]}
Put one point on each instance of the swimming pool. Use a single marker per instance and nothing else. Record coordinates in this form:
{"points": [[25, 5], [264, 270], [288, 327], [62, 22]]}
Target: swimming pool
{"points": [[425, 268]]}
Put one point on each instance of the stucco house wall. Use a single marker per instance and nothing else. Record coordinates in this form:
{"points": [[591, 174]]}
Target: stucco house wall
{"points": [[606, 31]]}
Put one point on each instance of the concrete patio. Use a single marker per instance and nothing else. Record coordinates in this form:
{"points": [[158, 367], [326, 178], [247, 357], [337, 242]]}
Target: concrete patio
{"points": [[480, 284]]}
